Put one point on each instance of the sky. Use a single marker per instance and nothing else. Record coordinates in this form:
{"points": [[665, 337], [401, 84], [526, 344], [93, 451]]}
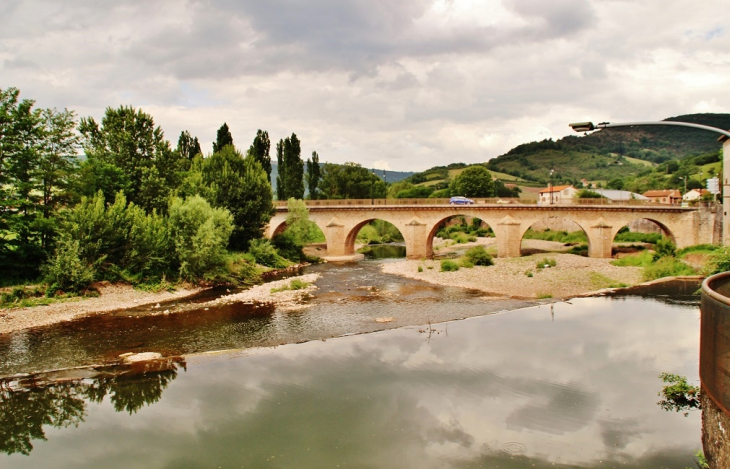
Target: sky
{"points": [[400, 85]]}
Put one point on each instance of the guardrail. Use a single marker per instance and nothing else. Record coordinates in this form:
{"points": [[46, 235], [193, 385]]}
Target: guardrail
{"points": [[477, 201], [715, 340]]}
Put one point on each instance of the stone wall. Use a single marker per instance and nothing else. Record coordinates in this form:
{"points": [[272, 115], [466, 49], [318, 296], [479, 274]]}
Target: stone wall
{"points": [[715, 434]]}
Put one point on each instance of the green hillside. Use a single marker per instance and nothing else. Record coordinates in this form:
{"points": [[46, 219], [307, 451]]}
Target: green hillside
{"points": [[635, 158]]}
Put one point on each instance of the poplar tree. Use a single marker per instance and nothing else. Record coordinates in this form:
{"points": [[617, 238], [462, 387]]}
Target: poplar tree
{"points": [[188, 146], [223, 138], [294, 168], [313, 175], [281, 172], [260, 151]]}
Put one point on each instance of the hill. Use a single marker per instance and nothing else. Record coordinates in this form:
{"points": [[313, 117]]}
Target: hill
{"points": [[610, 153]]}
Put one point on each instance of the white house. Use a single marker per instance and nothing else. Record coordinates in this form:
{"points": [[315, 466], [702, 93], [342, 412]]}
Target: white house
{"points": [[557, 195], [695, 194]]}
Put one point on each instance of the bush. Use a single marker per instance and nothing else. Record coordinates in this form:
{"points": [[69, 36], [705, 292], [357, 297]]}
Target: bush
{"points": [[288, 247], [719, 260], [546, 263], [420, 269], [265, 254], [664, 248], [667, 267], [477, 255], [200, 235], [449, 266], [633, 237], [466, 263], [66, 271]]}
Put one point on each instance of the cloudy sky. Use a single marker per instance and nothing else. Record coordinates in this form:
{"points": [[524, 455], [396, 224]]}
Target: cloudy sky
{"points": [[402, 85]]}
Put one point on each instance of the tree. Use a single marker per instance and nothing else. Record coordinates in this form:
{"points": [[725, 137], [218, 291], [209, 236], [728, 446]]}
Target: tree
{"points": [[21, 134], [351, 181], [222, 139], [617, 184], [188, 146], [290, 180], [313, 175], [128, 140], [260, 151], [474, 181], [228, 180]]}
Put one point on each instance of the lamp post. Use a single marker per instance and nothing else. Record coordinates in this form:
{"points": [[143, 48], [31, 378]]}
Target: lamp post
{"points": [[551, 186], [724, 138]]}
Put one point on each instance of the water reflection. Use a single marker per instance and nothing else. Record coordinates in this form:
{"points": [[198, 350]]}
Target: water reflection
{"points": [[509, 390], [383, 251], [59, 400]]}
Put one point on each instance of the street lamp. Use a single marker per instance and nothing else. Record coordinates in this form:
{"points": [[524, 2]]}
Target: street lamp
{"points": [[725, 139], [551, 186]]}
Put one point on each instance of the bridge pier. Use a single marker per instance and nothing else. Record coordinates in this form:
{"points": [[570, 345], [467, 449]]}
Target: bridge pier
{"points": [[509, 237], [600, 239], [415, 234]]}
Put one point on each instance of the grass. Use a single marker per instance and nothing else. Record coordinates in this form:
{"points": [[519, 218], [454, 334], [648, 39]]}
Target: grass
{"points": [[667, 267], [598, 280], [295, 284], [26, 297], [642, 259], [449, 266], [698, 249], [542, 296], [559, 236]]}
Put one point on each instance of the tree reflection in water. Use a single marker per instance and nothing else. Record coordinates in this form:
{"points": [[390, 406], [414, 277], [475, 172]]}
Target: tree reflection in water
{"points": [[29, 404]]}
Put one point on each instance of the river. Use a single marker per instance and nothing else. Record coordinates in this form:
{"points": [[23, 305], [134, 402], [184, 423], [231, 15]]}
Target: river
{"points": [[572, 384]]}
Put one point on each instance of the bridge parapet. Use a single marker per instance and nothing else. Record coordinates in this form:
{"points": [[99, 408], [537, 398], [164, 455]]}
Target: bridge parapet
{"points": [[477, 202]]}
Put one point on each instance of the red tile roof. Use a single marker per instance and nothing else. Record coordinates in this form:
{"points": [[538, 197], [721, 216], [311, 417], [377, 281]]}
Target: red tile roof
{"points": [[663, 193], [554, 189]]}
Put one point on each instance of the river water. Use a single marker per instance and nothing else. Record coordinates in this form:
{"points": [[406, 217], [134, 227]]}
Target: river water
{"points": [[571, 385]]}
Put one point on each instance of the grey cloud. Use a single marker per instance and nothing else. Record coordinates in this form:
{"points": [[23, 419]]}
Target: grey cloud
{"points": [[19, 63]]}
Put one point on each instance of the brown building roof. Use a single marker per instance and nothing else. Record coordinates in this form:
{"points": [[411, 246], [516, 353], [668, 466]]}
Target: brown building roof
{"points": [[554, 189], [663, 193]]}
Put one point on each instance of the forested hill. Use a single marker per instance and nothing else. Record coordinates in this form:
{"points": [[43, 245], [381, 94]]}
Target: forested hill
{"points": [[602, 155]]}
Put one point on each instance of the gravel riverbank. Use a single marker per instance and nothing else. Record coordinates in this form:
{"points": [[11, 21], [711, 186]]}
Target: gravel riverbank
{"points": [[572, 275]]}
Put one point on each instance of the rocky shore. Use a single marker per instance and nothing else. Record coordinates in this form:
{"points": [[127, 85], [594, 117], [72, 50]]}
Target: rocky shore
{"points": [[519, 277]]}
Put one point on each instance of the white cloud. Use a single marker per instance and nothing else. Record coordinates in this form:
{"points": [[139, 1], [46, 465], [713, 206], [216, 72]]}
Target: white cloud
{"points": [[415, 83]]}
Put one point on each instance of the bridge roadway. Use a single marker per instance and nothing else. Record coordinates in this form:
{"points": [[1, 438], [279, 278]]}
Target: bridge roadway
{"points": [[419, 223]]}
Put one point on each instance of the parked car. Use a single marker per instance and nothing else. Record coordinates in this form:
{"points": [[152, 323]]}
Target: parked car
{"points": [[458, 200]]}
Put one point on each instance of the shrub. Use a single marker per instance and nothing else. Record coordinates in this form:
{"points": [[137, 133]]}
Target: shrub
{"points": [[466, 263], [667, 267], [420, 269], [579, 250], [265, 254], [200, 235], [288, 246], [477, 255], [449, 266], [546, 263], [633, 237], [664, 248], [719, 260], [529, 273], [295, 284], [66, 271]]}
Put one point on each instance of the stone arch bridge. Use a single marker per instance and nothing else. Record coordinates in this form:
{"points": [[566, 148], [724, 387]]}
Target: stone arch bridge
{"points": [[419, 223]]}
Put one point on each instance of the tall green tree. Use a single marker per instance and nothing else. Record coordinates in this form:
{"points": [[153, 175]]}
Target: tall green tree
{"points": [[351, 181], [281, 192], [228, 180], [260, 148], [21, 134], [129, 153], [223, 138], [188, 146], [290, 180], [313, 175], [474, 181]]}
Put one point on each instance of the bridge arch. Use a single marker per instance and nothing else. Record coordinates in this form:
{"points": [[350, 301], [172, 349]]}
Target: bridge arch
{"points": [[351, 237], [556, 224], [660, 227], [440, 224]]}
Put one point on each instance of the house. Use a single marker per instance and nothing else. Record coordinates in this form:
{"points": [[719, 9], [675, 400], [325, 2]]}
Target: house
{"points": [[556, 195], [695, 194], [617, 196], [664, 196]]}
